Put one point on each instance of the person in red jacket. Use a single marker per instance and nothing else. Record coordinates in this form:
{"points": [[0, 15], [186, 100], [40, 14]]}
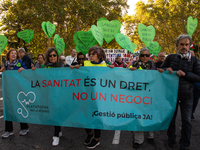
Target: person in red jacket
{"points": [[118, 62]]}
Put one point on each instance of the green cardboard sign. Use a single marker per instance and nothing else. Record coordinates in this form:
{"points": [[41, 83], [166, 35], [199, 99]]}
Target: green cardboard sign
{"points": [[86, 37], [77, 49], [3, 43], [146, 34], [191, 25], [26, 35], [109, 29], [80, 46], [125, 42], [59, 44], [153, 46], [48, 28], [102, 19], [97, 34], [55, 37], [51, 28], [157, 51], [44, 27], [93, 43], [78, 42]]}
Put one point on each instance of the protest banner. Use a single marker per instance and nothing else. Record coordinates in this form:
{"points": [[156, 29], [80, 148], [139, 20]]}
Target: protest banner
{"points": [[91, 97]]}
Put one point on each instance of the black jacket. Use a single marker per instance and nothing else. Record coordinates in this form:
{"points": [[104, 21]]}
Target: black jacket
{"points": [[192, 73], [27, 61]]}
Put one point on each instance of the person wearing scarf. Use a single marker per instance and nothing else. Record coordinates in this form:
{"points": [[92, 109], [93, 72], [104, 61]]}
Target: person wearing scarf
{"points": [[144, 62], [187, 67], [14, 63]]}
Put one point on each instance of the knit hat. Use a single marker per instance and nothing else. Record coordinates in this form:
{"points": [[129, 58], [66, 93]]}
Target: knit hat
{"points": [[21, 49]]}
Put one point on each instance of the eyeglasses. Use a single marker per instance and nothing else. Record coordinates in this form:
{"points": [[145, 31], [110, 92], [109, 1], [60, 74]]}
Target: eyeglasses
{"points": [[54, 55], [147, 55], [80, 58], [63, 60]]}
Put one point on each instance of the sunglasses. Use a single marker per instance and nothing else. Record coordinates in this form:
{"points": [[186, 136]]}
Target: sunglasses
{"points": [[63, 59], [80, 58], [54, 55], [147, 55]]}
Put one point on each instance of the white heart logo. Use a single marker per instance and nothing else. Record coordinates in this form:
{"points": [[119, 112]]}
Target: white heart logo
{"points": [[19, 110]]}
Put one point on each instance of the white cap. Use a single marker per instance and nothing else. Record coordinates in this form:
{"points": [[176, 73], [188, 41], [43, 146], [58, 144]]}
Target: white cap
{"points": [[22, 49]]}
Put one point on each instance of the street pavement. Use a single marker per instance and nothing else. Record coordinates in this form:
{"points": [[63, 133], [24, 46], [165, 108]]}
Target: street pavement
{"points": [[40, 137]]}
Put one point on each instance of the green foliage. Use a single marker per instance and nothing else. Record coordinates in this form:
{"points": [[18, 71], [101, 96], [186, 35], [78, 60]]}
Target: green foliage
{"points": [[169, 18], [69, 16]]}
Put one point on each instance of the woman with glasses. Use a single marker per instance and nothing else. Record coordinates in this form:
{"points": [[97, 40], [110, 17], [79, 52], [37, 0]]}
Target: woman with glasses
{"points": [[13, 62], [144, 62], [51, 61], [62, 59], [80, 60], [97, 58], [41, 60]]}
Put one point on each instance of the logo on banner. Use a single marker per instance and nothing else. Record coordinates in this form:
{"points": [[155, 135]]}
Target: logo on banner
{"points": [[25, 99]]}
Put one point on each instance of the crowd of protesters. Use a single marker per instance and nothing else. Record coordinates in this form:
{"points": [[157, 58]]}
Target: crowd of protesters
{"points": [[184, 62]]}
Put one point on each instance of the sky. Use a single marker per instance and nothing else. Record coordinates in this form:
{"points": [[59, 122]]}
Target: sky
{"points": [[132, 6]]}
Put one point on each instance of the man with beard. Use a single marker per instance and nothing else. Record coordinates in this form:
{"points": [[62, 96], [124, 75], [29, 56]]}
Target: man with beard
{"points": [[187, 67]]}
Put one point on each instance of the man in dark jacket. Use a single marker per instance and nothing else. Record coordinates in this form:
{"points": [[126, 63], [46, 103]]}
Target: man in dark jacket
{"points": [[188, 70], [25, 59]]}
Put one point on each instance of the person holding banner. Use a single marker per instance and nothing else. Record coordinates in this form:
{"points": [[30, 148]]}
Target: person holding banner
{"points": [[187, 67], [13, 62], [80, 59], [97, 59], [144, 62], [41, 60], [118, 62], [51, 61], [161, 58]]}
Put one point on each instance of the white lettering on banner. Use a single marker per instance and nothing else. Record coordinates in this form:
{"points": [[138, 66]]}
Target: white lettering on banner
{"points": [[19, 110]]}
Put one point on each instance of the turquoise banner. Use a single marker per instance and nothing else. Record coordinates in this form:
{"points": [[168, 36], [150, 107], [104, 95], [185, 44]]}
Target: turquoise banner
{"points": [[91, 97]]}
